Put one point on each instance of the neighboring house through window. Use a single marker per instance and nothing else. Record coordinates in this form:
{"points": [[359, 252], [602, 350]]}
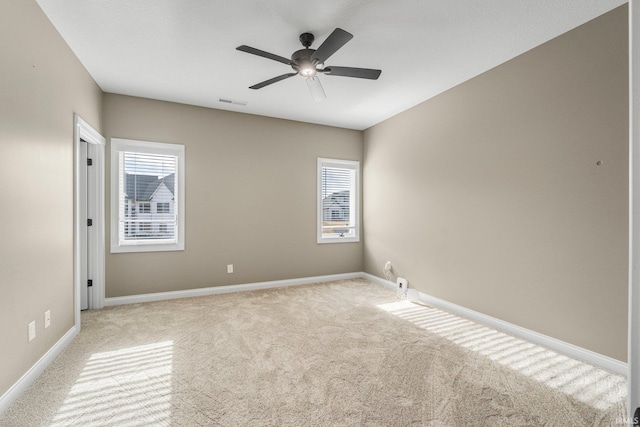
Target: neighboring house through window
{"points": [[147, 196]]}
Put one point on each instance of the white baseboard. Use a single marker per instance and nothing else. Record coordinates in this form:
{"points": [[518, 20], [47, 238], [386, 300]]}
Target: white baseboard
{"points": [[571, 350], [160, 296], [32, 374], [579, 353]]}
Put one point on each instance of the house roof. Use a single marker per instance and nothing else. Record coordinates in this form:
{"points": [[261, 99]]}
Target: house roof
{"points": [[143, 187], [338, 199]]}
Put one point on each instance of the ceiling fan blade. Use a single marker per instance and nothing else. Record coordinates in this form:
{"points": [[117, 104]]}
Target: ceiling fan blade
{"points": [[315, 87], [271, 81], [254, 51], [335, 41], [361, 73]]}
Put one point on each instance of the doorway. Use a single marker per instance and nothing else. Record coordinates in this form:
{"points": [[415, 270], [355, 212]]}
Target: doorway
{"points": [[89, 218]]}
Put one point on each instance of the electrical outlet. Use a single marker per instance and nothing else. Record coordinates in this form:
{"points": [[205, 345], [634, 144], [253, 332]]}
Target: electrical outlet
{"points": [[229, 268], [47, 319], [387, 270], [32, 330], [403, 284]]}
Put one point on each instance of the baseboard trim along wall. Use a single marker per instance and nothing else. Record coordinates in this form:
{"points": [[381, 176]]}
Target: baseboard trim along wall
{"points": [[579, 353], [571, 350], [160, 296], [32, 374]]}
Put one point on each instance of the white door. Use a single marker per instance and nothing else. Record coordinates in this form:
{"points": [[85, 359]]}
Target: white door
{"points": [[84, 240], [87, 237]]}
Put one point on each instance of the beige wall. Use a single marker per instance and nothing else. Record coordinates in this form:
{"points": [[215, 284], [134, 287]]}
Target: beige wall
{"points": [[41, 85], [489, 195], [250, 197]]}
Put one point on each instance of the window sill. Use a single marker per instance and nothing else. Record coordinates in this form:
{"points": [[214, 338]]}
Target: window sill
{"points": [[338, 240], [158, 247]]}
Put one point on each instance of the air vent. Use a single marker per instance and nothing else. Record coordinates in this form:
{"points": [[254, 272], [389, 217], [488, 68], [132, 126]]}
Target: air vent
{"points": [[231, 101]]}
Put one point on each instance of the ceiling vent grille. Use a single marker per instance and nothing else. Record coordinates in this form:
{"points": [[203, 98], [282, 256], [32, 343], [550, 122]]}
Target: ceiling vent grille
{"points": [[231, 101]]}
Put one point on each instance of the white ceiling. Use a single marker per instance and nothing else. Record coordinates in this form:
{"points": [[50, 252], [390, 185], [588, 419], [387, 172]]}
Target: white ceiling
{"points": [[184, 50]]}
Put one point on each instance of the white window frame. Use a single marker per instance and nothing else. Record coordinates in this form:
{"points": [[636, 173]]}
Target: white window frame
{"points": [[354, 196], [120, 245]]}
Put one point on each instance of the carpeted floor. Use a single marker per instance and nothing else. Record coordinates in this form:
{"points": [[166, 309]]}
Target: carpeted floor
{"points": [[334, 354]]}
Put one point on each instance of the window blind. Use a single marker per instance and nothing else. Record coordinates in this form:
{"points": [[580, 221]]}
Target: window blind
{"points": [[338, 200], [146, 182]]}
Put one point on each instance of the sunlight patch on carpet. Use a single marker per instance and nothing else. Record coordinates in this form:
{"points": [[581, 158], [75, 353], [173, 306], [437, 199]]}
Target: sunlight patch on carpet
{"points": [[593, 386], [132, 386]]}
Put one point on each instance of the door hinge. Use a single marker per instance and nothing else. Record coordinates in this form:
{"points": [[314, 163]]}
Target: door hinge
{"points": [[89, 282], [89, 162], [89, 222]]}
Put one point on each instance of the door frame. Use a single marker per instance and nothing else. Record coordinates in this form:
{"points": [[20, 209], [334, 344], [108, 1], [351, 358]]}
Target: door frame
{"points": [[96, 144], [633, 348]]}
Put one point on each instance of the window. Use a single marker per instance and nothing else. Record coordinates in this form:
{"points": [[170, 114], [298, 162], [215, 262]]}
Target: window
{"points": [[163, 207], [145, 207], [143, 174], [338, 201]]}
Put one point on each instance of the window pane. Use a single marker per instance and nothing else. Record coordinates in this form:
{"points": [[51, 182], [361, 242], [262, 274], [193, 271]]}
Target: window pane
{"points": [[149, 179], [338, 204]]}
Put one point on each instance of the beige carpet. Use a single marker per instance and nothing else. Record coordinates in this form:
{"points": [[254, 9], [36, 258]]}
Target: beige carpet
{"points": [[336, 354]]}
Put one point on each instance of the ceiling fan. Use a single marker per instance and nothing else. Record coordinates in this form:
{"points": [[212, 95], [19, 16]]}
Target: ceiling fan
{"points": [[310, 62]]}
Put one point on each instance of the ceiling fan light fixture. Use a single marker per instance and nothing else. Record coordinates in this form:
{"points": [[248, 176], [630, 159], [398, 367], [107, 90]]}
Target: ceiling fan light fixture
{"points": [[306, 68], [308, 71], [315, 87]]}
